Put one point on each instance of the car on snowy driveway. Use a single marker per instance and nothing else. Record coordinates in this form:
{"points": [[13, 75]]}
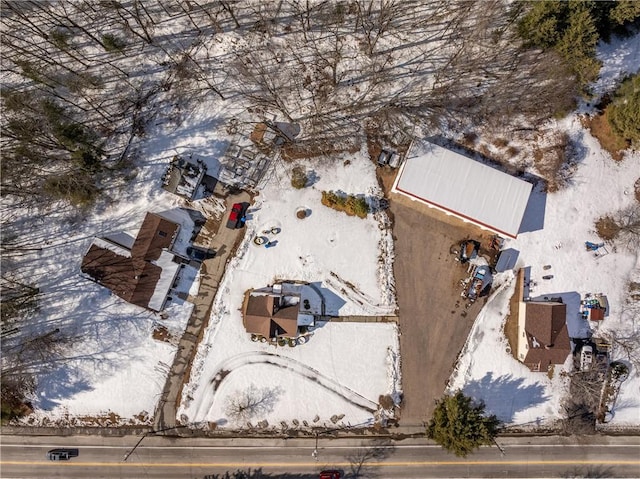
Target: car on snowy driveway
{"points": [[198, 254], [236, 217]]}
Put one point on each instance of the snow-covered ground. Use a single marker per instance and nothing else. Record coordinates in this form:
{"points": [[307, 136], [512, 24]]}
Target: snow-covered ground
{"points": [[114, 366], [111, 364], [343, 367]]}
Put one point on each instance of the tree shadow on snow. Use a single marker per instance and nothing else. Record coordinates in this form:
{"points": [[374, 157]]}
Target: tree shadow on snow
{"points": [[506, 395]]}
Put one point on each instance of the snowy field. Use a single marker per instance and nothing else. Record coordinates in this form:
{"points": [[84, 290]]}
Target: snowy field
{"points": [[344, 367]]}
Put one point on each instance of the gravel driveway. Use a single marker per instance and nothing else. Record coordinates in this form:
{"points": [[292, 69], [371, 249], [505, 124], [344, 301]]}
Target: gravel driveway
{"points": [[434, 320]]}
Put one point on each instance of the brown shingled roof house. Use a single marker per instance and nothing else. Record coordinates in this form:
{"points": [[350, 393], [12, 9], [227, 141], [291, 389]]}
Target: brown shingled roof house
{"points": [[141, 274], [543, 338], [270, 317]]}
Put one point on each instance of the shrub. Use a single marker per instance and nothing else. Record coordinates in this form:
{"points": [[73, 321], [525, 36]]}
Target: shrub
{"points": [[358, 205], [551, 161], [13, 396], [76, 188], [618, 370], [500, 142], [600, 127], [624, 111], [607, 228], [60, 38], [350, 204], [623, 226], [298, 177], [112, 43]]}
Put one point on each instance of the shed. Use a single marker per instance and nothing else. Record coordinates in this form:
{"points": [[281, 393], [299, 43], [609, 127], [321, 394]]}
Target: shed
{"points": [[507, 259], [463, 187]]}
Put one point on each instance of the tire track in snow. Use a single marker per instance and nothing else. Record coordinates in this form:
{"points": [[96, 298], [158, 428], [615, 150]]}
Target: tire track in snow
{"points": [[306, 372], [357, 296]]}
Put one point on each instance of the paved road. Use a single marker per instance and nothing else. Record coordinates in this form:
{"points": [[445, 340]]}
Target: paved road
{"points": [[159, 457], [223, 243]]}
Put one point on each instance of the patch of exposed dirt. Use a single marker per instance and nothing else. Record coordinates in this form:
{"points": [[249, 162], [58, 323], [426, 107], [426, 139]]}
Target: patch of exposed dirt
{"points": [[599, 127], [161, 333]]}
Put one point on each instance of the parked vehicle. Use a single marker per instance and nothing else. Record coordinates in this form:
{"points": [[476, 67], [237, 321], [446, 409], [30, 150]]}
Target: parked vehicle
{"points": [[198, 254], [586, 357], [330, 474], [61, 454], [236, 217]]}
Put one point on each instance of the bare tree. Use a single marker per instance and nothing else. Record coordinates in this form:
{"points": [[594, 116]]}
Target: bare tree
{"points": [[18, 301], [377, 450], [229, 8], [252, 402], [374, 18], [626, 339]]}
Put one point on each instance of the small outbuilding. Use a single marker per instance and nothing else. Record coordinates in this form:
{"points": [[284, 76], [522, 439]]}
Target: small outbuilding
{"points": [[463, 187], [183, 177]]}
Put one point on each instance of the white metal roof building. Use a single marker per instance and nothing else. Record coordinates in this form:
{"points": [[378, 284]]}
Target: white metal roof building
{"points": [[463, 187]]}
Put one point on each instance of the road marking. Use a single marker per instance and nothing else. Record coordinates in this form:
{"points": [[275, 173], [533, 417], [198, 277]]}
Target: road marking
{"points": [[314, 464], [328, 447]]}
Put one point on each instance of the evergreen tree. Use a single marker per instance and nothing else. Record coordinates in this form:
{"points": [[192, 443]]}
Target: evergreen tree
{"points": [[573, 29], [624, 111], [544, 23], [460, 426], [625, 11], [578, 44]]}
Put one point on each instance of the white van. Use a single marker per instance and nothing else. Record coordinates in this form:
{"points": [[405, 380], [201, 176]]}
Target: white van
{"points": [[586, 357]]}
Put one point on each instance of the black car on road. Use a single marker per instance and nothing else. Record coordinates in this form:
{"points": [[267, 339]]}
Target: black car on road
{"points": [[62, 454]]}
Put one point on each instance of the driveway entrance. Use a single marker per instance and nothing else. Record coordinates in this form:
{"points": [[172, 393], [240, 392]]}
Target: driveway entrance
{"points": [[434, 321]]}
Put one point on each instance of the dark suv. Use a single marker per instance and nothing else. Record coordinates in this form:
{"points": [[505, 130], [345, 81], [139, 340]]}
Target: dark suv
{"points": [[61, 454], [198, 254]]}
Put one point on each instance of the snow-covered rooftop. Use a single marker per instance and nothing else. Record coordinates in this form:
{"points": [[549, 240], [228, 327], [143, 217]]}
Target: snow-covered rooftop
{"points": [[168, 275], [464, 187]]}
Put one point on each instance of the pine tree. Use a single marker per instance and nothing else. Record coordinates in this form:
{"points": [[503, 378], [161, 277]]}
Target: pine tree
{"points": [[625, 11], [570, 28], [460, 426], [578, 44], [624, 111], [544, 23]]}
